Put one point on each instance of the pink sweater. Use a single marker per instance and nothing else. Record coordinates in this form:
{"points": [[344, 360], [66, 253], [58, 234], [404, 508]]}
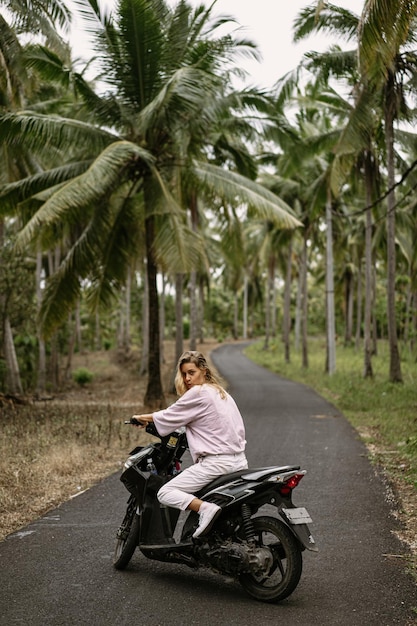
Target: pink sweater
{"points": [[213, 425]]}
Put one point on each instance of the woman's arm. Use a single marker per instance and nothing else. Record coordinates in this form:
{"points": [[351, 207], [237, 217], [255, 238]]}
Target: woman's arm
{"points": [[144, 419]]}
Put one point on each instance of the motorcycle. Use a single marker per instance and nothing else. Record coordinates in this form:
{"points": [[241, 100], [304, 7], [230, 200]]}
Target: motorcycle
{"points": [[262, 552]]}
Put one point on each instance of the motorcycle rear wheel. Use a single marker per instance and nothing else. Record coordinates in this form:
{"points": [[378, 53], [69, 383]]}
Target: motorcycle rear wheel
{"points": [[125, 547], [286, 570]]}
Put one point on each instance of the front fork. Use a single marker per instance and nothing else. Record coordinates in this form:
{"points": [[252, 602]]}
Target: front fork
{"points": [[126, 524]]}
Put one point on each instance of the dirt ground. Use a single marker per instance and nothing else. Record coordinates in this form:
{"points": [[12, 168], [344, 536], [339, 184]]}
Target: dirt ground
{"points": [[116, 379]]}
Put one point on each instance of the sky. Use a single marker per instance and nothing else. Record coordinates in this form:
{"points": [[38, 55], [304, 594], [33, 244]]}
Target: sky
{"points": [[266, 22], [269, 23]]}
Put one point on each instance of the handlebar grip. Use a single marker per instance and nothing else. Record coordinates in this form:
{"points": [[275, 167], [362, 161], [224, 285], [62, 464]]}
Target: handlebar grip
{"points": [[133, 422]]}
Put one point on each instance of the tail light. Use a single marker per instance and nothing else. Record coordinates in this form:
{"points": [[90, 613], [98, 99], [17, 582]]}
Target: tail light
{"points": [[290, 484]]}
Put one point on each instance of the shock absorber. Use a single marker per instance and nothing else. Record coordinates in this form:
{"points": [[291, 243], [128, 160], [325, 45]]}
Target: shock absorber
{"points": [[247, 522]]}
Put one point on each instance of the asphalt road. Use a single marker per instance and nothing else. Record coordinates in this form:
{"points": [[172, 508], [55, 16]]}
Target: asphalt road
{"points": [[58, 570]]}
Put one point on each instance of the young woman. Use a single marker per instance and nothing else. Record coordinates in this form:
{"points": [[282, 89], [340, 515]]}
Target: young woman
{"points": [[215, 434]]}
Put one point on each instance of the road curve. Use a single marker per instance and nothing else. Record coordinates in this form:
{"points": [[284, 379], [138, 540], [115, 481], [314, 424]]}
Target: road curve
{"points": [[57, 571]]}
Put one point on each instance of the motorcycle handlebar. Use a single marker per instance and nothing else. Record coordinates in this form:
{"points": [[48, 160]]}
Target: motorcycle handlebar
{"points": [[149, 427]]}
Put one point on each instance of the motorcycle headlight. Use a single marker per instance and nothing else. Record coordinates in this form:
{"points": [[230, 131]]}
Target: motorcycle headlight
{"points": [[135, 458]]}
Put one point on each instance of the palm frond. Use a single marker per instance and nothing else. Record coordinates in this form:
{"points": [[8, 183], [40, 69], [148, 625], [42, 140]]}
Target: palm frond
{"points": [[238, 189], [178, 247], [327, 18], [62, 291], [43, 133], [99, 257], [49, 64], [135, 51], [41, 16], [181, 98], [385, 27], [341, 167], [14, 193], [99, 181], [93, 14], [335, 63], [360, 125]]}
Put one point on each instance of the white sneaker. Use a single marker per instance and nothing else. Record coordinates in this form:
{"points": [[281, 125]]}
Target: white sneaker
{"points": [[208, 513]]}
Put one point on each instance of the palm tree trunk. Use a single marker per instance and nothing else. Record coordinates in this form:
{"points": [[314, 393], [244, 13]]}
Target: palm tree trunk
{"points": [[193, 311], [54, 259], [330, 313], [13, 381], [193, 280], [367, 366], [201, 313], [179, 328], [287, 304], [78, 332], [268, 303], [304, 300], [162, 320], [358, 305], [408, 303], [154, 396], [395, 375], [349, 283], [71, 345], [273, 307], [54, 362], [41, 370], [374, 317], [143, 368], [127, 337], [236, 316], [413, 321], [245, 307], [298, 305], [97, 332]]}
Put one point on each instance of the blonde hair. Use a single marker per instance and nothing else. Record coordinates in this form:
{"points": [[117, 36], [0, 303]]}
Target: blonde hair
{"points": [[199, 360]]}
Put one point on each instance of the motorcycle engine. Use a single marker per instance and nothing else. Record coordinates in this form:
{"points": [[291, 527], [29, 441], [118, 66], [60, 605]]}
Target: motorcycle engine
{"points": [[235, 558]]}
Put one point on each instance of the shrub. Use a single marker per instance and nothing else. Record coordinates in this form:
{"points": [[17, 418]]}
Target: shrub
{"points": [[82, 376]]}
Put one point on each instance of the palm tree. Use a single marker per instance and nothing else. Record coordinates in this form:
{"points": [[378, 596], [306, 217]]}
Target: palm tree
{"points": [[357, 149], [386, 60], [162, 67], [17, 88]]}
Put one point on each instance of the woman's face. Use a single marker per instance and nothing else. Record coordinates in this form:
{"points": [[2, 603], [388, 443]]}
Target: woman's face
{"points": [[192, 375]]}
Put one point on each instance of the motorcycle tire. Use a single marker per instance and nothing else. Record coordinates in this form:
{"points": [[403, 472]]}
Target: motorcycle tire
{"points": [[125, 547], [285, 572]]}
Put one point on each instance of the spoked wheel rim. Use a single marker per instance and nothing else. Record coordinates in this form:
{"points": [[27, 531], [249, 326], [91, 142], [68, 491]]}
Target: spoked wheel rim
{"points": [[284, 574], [127, 539]]}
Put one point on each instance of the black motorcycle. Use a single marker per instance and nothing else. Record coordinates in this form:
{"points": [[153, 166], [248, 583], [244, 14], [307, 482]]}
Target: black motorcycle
{"points": [[263, 552]]}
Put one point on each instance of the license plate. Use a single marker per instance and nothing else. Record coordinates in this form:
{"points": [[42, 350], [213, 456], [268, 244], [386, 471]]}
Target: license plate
{"points": [[300, 515]]}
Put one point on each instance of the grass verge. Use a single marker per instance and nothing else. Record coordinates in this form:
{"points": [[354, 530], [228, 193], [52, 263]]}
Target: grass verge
{"points": [[384, 413], [49, 454]]}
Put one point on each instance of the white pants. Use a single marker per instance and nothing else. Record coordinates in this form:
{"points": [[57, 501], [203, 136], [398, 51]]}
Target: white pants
{"points": [[178, 492]]}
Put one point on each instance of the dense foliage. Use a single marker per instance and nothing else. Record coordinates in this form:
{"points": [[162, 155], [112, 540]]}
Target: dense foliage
{"points": [[159, 199]]}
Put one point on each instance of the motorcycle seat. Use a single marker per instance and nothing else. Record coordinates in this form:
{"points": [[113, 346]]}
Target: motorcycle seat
{"points": [[250, 473]]}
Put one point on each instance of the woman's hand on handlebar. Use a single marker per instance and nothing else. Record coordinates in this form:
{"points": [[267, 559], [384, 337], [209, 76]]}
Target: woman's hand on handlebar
{"points": [[141, 420], [133, 422]]}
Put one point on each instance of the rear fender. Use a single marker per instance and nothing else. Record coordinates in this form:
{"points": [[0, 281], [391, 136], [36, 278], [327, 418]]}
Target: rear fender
{"points": [[299, 529]]}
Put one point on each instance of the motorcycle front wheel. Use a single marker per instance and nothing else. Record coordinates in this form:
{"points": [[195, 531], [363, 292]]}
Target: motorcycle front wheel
{"points": [[285, 573], [127, 538]]}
